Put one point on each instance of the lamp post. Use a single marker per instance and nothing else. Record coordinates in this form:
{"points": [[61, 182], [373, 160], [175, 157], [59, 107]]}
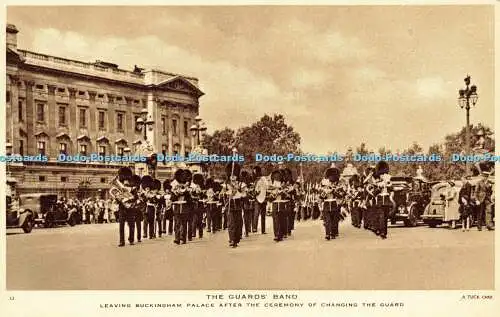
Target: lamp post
{"points": [[467, 98], [197, 128], [127, 151], [144, 121], [8, 148]]}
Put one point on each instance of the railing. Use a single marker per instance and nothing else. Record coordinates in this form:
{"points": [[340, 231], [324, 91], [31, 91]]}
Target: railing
{"points": [[79, 64]]}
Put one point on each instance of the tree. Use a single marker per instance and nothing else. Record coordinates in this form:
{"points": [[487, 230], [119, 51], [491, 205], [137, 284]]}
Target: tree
{"points": [[220, 142]]}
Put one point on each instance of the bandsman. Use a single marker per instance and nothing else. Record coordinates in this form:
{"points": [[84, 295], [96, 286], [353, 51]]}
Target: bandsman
{"points": [[181, 200], [125, 212], [168, 214], [233, 204], [384, 200], [197, 189], [330, 202], [248, 200], [276, 193]]}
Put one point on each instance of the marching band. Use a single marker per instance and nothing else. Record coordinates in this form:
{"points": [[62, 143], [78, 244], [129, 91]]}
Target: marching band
{"points": [[191, 204]]}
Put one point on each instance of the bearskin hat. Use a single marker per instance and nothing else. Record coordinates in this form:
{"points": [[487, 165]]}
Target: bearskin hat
{"points": [[235, 168], [381, 168], [487, 166], [217, 187], [209, 183], [246, 177], [355, 180], [179, 176], [166, 185], [135, 181], [287, 175], [156, 184], [147, 182], [277, 176], [199, 180], [332, 174], [187, 176], [257, 171], [124, 173]]}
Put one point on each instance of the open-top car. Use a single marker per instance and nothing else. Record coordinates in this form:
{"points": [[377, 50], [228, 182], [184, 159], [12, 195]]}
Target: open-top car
{"points": [[46, 210], [411, 196], [19, 216]]}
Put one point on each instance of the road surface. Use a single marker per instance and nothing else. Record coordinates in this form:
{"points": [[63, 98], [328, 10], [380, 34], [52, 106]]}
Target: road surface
{"points": [[86, 257]]}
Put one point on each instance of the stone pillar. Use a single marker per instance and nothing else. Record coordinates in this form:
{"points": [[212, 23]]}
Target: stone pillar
{"points": [[30, 119], [53, 121], [151, 106], [73, 124], [181, 132], [170, 134]]}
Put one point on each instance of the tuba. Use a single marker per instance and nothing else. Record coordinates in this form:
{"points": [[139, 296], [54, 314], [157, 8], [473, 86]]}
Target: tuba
{"points": [[121, 193]]}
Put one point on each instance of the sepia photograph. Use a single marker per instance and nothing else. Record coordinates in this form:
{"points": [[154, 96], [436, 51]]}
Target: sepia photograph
{"points": [[251, 148]]}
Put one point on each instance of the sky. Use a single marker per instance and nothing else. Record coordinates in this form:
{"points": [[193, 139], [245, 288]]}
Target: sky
{"points": [[342, 75]]}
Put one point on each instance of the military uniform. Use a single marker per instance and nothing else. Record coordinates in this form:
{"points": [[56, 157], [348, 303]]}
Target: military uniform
{"points": [[248, 201], [139, 205], [383, 199], [168, 215], [125, 212], [233, 204], [330, 202], [197, 210], [181, 200], [260, 201], [278, 204]]}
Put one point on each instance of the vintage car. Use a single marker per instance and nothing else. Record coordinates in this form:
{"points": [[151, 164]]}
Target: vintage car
{"points": [[46, 211], [19, 216], [444, 205], [411, 196]]}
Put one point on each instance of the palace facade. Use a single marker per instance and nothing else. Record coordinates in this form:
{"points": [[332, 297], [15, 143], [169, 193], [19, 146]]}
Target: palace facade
{"points": [[56, 105]]}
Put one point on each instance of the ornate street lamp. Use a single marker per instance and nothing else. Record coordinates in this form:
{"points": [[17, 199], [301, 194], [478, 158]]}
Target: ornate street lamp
{"points": [[197, 128], [467, 98], [144, 121]]}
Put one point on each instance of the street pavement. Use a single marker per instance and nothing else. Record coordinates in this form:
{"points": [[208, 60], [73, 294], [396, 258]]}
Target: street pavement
{"points": [[86, 257]]}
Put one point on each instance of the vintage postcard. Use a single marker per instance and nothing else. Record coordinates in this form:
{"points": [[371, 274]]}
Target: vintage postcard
{"points": [[249, 158]]}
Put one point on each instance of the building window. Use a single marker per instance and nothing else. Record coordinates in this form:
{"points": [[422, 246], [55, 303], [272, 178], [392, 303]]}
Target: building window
{"points": [[40, 112], [39, 87], [120, 150], [101, 120], [8, 96], [176, 149], [41, 147], [63, 148], [119, 121], [102, 150], [41, 178], [163, 125], [64, 179], [20, 111], [164, 152], [137, 130], [186, 130], [62, 116], [186, 154], [174, 126], [83, 149], [21, 147], [61, 90], [103, 179], [83, 118], [81, 93]]}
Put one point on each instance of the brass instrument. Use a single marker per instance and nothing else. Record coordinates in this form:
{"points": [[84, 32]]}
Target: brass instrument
{"points": [[121, 193]]}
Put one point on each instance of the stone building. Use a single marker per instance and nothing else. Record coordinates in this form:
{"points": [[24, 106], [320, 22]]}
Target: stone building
{"points": [[56, 105]]}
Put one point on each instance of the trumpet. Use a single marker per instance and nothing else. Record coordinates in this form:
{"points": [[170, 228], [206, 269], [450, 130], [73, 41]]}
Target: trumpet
{"points": [[121, 193]]}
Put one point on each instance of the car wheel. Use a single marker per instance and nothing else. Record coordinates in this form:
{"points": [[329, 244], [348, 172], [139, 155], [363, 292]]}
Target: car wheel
{"points": [[432, 224], [28, 225], [72, 221], [453, 224], [412, 217]]}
